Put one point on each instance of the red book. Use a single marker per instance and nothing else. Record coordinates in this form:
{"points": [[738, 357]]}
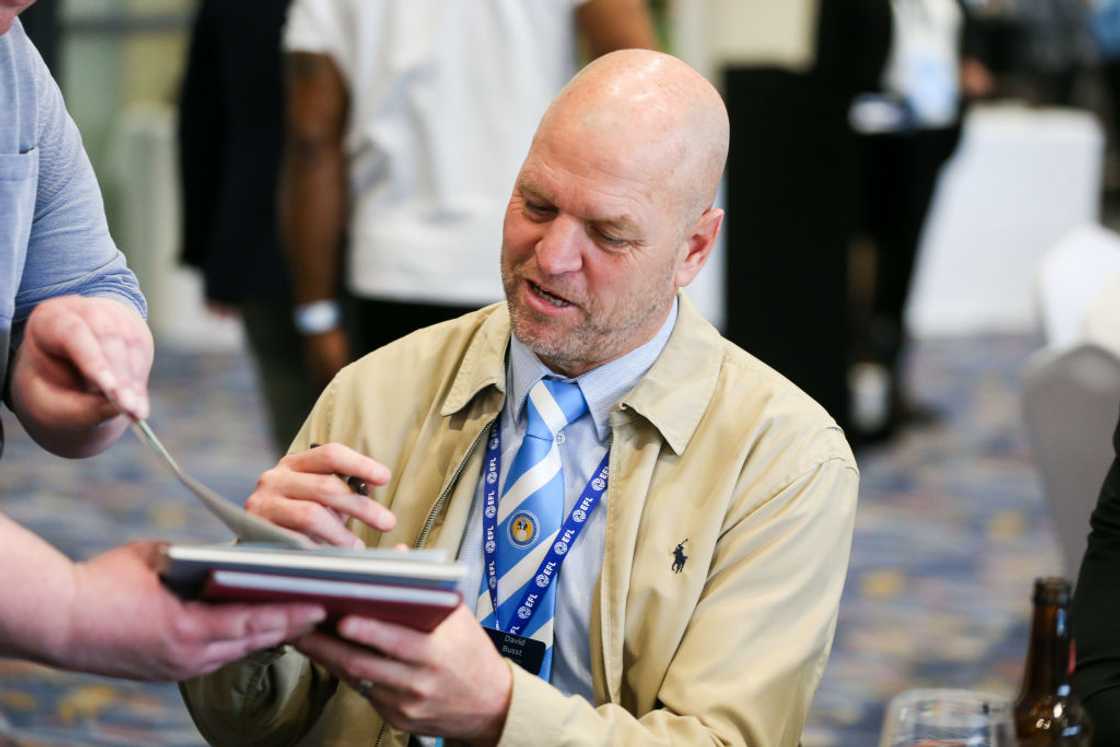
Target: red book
{"points": [[415, 607]]}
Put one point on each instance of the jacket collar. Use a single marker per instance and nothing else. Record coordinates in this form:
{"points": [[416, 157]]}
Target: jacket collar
{"points": [[484, 363], [673, 395]]}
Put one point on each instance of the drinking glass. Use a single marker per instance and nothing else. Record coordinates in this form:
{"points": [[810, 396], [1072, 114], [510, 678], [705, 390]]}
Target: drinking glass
{"points": [[948, 718]]}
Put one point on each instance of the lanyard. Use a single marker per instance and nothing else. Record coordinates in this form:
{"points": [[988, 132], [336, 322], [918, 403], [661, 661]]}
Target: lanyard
{"points": [[549, 569]]}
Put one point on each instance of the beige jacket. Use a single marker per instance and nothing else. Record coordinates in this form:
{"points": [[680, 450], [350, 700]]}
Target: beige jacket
{"points": [[711, 446]]}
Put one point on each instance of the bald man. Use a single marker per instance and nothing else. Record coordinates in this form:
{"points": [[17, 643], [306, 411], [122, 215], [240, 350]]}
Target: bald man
{"points": [[655, 524]]}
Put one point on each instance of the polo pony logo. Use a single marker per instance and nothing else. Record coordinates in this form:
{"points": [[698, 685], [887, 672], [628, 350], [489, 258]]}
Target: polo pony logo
{"points": [[679, 558]]}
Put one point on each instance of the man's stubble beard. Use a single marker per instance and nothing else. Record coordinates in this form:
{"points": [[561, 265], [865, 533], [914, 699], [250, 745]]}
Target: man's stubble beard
{"points": [[589, 342]]}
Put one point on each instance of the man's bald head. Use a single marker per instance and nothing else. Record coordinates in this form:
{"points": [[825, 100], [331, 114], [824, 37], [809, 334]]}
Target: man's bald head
{"points": [[611, 213], [642, 107]]}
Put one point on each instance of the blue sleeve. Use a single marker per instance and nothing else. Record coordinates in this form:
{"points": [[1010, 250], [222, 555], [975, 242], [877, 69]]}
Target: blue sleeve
{"points": [[70, 250]]}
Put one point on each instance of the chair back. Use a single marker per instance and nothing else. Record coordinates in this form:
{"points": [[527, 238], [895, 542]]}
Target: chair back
{"points": [[1070, 401]]}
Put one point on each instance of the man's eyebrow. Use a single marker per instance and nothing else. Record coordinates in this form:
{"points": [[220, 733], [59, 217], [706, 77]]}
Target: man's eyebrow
{"points": [[528, 190], [617, 223], [623, 222]]}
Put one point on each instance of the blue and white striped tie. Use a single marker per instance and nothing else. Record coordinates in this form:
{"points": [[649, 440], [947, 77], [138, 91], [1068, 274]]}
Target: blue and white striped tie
{"points": [[531, 510]]}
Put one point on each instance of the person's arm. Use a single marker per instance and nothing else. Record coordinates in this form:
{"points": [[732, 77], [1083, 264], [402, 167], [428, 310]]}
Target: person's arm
{"points": [[977, 81], [616, 24], [313, 195], [1096, 609], [110, 615], [74, 280]]}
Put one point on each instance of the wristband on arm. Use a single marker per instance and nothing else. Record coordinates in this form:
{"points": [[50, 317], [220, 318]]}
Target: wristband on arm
{"points": [[317, 317]]}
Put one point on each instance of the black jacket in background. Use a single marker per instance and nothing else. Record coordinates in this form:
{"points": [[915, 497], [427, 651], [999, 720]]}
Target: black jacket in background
{"points": [[230, 140], [792, 199], [1096, 613]]}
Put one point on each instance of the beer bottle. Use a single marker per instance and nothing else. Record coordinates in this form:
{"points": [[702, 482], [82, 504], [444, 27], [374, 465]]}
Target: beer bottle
{"points": [[1046, 712]]}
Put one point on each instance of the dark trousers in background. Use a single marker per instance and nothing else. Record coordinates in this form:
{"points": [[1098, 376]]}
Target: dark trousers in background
{"points": [[375, 323], [792, 189], [900, 173], [277, 351]]}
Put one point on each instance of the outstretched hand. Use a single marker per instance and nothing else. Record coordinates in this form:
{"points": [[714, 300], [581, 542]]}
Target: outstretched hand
{"points": [[124, 623], [82, 367]]}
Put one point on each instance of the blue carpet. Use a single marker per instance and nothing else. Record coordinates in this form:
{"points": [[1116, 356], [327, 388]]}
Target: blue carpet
{"points": [[950, 532]]}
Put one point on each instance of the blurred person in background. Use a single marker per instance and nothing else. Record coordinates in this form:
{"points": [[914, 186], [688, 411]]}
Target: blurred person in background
{"points": [[1055, 46], [1104, 19], [406, 123], [76, 353], [908, 130], [231, 128], [40, 23], [793, 188], [1096, 609]]}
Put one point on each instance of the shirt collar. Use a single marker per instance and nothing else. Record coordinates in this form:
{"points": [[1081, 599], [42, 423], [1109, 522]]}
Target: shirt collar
{"points": [[603, 387]]}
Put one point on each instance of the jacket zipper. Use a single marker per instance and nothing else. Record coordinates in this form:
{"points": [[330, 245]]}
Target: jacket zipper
{"points": [[437, 507]]}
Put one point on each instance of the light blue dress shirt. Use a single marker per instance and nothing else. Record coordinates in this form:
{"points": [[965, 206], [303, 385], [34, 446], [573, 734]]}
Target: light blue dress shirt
{"points": [[54, 240], [582, 445]]}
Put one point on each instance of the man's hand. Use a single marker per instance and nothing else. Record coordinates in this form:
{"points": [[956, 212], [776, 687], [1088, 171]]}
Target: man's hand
{"points": [[326, 354], [82, 362], [450, 682], [124, 623], [305, 493], [977, 81]]}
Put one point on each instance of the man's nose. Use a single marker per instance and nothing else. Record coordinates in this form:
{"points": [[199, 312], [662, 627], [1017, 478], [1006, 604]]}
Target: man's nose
{"points": [[560, 248]]}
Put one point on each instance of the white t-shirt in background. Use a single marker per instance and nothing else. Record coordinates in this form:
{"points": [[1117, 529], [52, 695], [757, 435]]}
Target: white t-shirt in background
{"points": [[444, 98]]}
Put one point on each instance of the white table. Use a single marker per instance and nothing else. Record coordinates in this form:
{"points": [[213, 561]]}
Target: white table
{"points": [[1021, 180]]}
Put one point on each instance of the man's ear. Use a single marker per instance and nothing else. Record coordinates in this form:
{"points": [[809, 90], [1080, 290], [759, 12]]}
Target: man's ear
{"points": [[699, 242]]}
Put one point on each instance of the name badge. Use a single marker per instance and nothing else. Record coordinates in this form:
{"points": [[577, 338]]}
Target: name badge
{"points": [[527, 653]]}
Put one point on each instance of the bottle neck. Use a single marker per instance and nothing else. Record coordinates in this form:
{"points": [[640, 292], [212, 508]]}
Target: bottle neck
{"points": [[1047, 669]]}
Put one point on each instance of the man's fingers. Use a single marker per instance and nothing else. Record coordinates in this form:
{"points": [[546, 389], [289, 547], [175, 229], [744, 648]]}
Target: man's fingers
{"points": [[399, 642], [353, 663], [104, 362], [239, 622], [340, 460], [140, 366], [129, 392], [220, 653], [74, 406], [331, 492], [297, 502], [314, 520], [69, 337], [107, 343]]}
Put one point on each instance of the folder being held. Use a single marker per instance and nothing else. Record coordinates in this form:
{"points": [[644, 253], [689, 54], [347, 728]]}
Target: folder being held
{"points": [[417, 588]]}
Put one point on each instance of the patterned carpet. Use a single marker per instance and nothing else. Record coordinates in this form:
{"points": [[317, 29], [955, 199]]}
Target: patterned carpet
{"points": [[950, 532]]}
